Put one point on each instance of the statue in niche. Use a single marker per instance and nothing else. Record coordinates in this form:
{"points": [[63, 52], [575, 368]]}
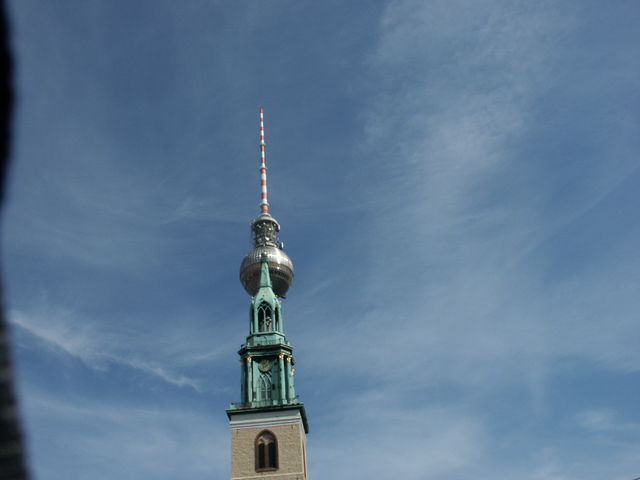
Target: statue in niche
{"points": [[268, 323]]}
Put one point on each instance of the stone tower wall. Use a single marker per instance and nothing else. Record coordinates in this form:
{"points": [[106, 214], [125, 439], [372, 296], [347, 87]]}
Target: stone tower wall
{"points": [[289, 431]]}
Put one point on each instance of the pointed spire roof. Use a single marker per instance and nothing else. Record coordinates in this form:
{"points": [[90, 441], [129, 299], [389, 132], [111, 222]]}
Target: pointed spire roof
{"points": [[265, 277], [265, 291]]}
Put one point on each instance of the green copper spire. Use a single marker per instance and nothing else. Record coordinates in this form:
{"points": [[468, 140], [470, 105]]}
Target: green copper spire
{"points": [[264, 286], [266, 321], [265, 278], [267, 356]]}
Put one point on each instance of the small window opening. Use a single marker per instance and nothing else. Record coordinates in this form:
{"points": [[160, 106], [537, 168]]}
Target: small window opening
{"points": [[264, 387], [266, 452], [265, 321]]}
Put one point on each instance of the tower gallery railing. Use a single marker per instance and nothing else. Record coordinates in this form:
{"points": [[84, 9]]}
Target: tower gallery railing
{"points": [[266, 403]]}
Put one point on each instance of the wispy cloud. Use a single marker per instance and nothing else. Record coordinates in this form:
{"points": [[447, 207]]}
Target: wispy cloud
{"points": [[124, 440], [604, 420], [458, 252], [419, 442], [164, 356], [456, 301]]}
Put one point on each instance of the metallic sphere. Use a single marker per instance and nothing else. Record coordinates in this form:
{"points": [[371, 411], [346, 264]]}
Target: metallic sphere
{"points": [[280, 270]]}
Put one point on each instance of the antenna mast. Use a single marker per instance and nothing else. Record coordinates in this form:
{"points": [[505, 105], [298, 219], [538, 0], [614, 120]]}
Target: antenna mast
{"points": [[264, 203]]}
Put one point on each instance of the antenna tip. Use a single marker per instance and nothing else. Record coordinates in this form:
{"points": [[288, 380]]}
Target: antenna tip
{"points": [[261, 110]]}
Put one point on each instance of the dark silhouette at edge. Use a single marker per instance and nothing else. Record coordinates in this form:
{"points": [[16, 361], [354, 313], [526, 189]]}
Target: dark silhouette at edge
{"points": [[12, 458]]}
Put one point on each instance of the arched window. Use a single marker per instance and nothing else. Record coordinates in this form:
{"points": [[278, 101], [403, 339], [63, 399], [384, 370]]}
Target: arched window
{"points": [[265, 320], [266, 452], [264, 387]]}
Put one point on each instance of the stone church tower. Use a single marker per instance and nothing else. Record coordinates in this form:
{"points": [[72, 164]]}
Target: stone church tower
{"points": [[269, 424]]}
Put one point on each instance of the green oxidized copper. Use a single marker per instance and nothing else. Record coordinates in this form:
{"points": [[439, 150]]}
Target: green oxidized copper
{"points": [[267, 371], [266, 311]]}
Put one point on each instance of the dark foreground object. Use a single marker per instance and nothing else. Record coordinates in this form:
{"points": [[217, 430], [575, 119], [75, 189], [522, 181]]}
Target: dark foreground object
{"points": [[12, 465]]}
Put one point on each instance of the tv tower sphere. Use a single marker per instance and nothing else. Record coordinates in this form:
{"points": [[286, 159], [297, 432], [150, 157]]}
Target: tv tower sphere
{"points": [[265, 230]]}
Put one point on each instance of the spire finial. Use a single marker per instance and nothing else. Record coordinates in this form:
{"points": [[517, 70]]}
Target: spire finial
{"points": [[264, 203]]}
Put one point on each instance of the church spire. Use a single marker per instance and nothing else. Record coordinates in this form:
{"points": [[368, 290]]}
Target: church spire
{"points": [[265, 312], [265, 278]]}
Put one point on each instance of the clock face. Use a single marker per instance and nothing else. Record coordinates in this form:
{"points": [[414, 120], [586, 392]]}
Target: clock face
{"points": [[265, 365]]}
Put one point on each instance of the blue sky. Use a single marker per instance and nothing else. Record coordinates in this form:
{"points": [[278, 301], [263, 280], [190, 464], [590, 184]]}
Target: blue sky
{"points": [[457, 184]]}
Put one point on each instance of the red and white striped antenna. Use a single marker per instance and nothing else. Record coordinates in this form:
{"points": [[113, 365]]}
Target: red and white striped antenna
{"points": [[264, 203]]}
